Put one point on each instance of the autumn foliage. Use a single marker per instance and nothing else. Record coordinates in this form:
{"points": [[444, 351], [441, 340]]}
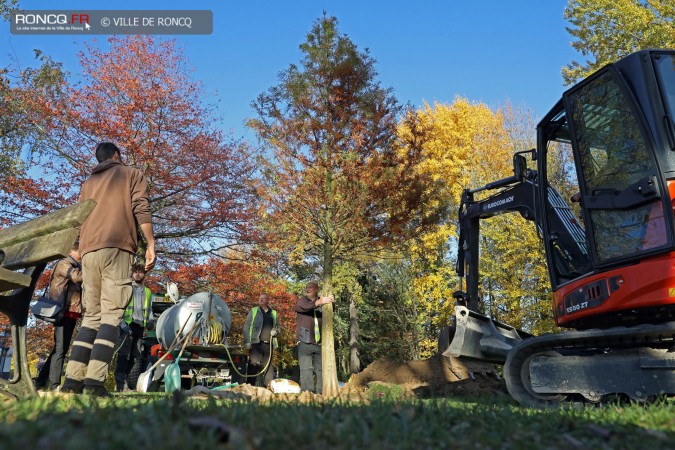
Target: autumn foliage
{"points": [[352, 188], [605, 31], [139, 94], [331, 128]]}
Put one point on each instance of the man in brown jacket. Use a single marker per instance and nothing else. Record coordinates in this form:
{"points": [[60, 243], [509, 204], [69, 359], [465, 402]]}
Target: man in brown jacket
{"points": [[108, 242], [308, 334], [66, 283]]}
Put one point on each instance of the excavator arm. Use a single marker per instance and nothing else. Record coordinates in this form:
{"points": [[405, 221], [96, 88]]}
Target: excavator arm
{"points": [[476, 335]]}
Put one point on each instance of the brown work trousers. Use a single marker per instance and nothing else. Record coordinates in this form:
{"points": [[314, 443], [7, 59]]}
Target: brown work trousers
{"points": [[106, 289]]}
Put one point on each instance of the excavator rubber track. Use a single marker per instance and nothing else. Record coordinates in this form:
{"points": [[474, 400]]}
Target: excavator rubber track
{"points": [[593, 365]]}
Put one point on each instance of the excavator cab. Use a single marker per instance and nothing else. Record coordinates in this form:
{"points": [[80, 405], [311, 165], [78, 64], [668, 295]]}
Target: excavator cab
{"points": [[618, 125], [602, 199]]}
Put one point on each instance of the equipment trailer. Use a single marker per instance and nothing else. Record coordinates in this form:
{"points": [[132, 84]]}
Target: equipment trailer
{"points": [[204, 320]]}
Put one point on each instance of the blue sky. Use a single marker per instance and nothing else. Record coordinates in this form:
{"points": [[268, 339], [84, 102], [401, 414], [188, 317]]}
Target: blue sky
{"points": [[429, 50]]}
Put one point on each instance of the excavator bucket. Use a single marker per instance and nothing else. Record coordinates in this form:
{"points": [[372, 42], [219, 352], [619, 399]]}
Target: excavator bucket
{"points": [[479, 342]]}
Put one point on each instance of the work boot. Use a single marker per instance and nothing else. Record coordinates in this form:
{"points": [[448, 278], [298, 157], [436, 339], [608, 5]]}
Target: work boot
{"points": [[71, 386], [95, 390]]}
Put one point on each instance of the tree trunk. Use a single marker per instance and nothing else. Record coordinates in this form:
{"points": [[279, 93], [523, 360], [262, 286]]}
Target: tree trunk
{"points": [[354, 362], [415, 341], [328, 363]]}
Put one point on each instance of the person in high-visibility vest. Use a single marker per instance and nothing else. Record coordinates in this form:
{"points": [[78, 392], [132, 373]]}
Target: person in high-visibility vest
{"points": [[308, 334], [137, 317], [260, 331]]}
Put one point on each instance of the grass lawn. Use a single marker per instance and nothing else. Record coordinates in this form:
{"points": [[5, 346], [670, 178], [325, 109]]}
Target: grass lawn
{"points": [[160, 421]]}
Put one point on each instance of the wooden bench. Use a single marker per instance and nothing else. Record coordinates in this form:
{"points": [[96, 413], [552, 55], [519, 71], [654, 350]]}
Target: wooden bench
{"points": [[28, 247]]}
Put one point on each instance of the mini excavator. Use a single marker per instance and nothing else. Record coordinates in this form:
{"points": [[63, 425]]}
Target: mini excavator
{"points": [[610, 248]]}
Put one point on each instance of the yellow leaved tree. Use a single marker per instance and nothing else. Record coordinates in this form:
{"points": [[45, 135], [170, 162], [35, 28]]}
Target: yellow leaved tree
{"points": [[606, 30], [467, 145]]}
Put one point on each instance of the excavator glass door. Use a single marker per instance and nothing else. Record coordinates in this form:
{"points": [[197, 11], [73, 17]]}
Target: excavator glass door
{"points": [[621, 187]]}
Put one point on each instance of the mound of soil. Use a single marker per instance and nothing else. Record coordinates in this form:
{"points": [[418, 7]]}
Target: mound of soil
{"points": [[433, 372], [432, 377], [435, 377]]}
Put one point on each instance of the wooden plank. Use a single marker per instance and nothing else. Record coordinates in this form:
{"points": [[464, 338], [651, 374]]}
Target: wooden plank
{"points": [[40, 249], [70, 217], [12, 280]]}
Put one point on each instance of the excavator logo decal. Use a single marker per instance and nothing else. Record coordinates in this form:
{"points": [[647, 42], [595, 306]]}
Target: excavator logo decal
{"points": [[503, 201]]}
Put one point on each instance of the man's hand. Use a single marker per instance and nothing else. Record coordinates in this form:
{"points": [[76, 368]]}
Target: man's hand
{"points": [[248, 346], [150, 258], [324, 300], [273, 332]]}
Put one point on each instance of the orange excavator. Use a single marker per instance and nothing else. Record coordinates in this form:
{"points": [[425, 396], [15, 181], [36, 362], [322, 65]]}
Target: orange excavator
{"points": [[610, 248]]}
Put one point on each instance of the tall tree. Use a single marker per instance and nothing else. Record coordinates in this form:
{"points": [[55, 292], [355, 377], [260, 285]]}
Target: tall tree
{"points": [[18, 135], [15, 133], [138, 92], [463, 145], [466, 145], [606, 30], [330, 126]]}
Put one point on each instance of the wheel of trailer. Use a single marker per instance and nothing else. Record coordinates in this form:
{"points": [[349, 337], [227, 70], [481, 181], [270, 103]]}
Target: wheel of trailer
{"points": [[136, 370], [518, 382]]}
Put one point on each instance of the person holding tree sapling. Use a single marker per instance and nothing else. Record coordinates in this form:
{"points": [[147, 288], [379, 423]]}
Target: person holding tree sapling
{"points": [[308, 334]]}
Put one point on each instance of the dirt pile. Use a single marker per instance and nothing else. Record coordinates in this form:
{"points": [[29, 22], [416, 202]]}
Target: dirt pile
{"points": [[430, 377], [435, 377]]}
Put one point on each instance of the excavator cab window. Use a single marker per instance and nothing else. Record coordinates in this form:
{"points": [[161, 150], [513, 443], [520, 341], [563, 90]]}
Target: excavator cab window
{"points": [[568, 248], [619, 176], [665, 67]]}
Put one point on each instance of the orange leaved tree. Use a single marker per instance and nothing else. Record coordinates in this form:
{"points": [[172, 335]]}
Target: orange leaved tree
{"points": [[330, 129], [137, 91]]}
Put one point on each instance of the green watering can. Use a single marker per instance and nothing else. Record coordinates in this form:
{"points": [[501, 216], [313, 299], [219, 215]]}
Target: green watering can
{"points": [[145, 379], [172, 371]]}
